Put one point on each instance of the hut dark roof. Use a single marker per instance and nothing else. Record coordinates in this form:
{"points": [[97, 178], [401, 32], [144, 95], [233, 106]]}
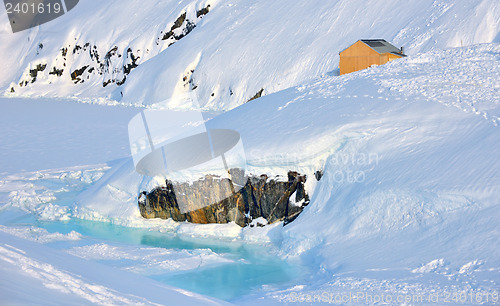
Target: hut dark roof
{"points": [[382, 46]]}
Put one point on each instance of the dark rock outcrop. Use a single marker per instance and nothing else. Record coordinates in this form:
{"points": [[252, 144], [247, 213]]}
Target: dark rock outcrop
{"points": [[75, 75], [318, 175], [34, 72], [56, 71], [257, 95], [274, 199], [109, 66], [203, 11]]}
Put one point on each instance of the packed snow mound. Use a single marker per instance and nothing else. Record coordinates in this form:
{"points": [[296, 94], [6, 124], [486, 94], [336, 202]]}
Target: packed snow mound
{"points": [[225, 52]]}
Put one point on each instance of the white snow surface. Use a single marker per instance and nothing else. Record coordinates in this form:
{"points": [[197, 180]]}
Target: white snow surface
{"points": [[234, 51], [55, 277], [410, 173], [151, 261], [409, 199], [410, 185], [39, 235], [416, 138]]}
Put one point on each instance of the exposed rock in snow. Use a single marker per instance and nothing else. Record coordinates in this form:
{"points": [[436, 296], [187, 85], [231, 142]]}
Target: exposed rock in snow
{"points": [[262, 196]]}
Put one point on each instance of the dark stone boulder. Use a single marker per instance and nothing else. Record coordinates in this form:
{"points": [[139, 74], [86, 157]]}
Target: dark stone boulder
{"points": [[274, 199]]}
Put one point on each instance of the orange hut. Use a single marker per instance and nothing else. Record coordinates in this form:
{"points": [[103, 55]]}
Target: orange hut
{"points": [[368, 52]]}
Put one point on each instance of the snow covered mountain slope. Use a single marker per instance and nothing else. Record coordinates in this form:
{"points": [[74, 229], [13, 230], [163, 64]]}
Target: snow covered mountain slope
{"points": [[226, 52]]}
